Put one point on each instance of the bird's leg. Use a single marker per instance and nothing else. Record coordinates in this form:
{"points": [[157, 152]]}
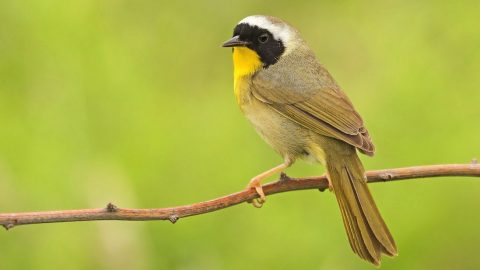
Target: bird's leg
{"points": [[330, 186], [256, 181]]}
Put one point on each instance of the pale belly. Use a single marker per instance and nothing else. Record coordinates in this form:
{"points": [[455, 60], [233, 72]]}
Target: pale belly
{"points": [[286, 137]]}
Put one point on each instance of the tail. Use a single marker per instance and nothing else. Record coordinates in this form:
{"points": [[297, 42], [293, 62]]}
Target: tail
{"points": [[367, 233]]}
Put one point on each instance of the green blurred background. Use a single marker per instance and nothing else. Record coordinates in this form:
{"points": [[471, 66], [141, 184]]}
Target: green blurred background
{"points": [[132, 102]]}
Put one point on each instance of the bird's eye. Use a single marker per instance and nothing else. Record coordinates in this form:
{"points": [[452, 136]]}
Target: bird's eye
{"points": [[263, 38]]}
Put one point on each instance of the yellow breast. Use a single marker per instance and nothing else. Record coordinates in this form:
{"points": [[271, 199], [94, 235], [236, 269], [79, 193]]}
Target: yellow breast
{"points": [[245, 63]]}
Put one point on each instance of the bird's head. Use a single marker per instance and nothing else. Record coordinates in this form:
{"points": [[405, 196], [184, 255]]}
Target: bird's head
{"points": [[260, 41]]}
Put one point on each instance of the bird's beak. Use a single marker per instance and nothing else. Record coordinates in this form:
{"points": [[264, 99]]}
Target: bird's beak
{"points": [[235, 42]]}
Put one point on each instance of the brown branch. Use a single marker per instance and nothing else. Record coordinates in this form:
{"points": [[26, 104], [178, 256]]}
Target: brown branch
{"points": [[112, 212]]}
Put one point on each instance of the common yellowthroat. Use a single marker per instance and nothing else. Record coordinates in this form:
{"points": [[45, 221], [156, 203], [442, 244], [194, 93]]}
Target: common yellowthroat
{"points": [[300, 111]]}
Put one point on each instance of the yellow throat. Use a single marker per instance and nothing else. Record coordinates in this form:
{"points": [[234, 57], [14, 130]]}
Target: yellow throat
{"points": [[245, 62]]}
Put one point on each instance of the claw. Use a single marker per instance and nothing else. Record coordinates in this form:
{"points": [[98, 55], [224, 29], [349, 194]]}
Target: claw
{"points": [[330, 186], [257, 202], [257, 185]]}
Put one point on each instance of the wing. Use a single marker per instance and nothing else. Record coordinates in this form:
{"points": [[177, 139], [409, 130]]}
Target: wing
{"points": [[316, 103]]}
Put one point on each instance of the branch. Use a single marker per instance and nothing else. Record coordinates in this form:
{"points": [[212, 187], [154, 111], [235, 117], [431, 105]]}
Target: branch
{"points": [[112, 212]]}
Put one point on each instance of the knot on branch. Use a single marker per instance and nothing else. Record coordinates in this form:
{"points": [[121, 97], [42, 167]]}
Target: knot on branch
{"points": [[173, 218], [284, 177], [387, 176], [8, 226], [111, 207]]}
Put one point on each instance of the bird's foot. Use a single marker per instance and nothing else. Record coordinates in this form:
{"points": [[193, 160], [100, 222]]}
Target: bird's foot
{"points": [[330, 186], [256, 184]]}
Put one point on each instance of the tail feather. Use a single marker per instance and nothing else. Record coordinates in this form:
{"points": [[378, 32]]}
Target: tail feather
{"points": [[368, 234], [371, 212], [355, 235]]}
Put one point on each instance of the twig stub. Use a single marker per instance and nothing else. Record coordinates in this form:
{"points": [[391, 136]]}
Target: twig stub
{"points": [[8, 226], [111, 207], [173, 218]]}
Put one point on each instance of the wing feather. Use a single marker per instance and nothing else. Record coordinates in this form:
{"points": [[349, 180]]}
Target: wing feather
{"points": [[316, 103]]}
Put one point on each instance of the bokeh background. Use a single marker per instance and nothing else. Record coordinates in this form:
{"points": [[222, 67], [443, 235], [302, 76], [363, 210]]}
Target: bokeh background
{"points": [[131, 102]]}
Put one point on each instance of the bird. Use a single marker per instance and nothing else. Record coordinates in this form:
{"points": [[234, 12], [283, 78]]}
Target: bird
{"points": [[297, 107]]}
